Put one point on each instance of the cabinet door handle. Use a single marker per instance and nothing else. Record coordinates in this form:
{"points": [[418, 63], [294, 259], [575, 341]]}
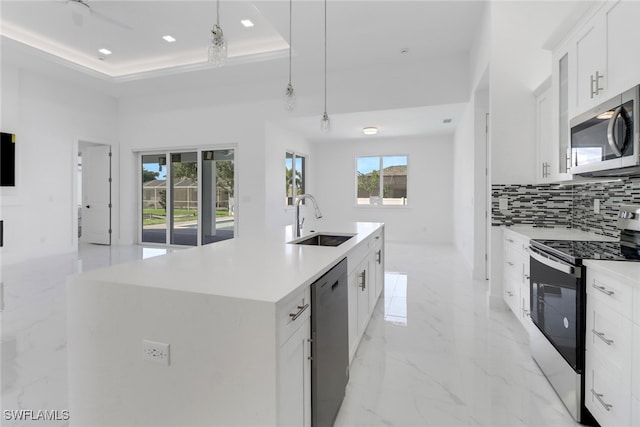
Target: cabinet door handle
{"points": [[603, 289], [599, 396], [301, 309], [510, 293], [379, 256], [601, 335], [510, 263], [510, 240], [363, 276]]}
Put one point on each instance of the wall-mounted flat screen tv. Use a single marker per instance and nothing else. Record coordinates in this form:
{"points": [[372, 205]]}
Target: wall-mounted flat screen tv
{"points": [[7, 160]]}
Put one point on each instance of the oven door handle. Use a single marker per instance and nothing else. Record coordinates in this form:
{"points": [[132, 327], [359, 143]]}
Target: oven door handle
{"points": [[555, 264]]}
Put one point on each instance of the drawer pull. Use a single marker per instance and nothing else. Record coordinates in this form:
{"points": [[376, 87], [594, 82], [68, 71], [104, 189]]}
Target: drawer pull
{"points": [[363, 276], [603, 289], [510, 293], [510, 240], [510, 263], [301, 309], [601, 336], [598, 396]]}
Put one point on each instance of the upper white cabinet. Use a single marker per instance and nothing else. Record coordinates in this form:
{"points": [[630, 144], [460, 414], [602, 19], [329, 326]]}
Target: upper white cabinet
{"points": [[591, 64], [552, 124], [544, 134], [623, 36], [603, 48]]}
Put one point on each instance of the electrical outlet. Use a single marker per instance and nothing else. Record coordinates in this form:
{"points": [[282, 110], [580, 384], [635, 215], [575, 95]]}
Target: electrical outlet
{"points": [[596, 206], [157, 352]]}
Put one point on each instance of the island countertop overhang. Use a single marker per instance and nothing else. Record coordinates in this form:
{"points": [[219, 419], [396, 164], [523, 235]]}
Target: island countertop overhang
{"points": [[260, 269]]}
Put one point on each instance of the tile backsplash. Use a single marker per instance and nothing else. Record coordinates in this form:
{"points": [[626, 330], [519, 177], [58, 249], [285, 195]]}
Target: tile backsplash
{"points": [[562, 205]]}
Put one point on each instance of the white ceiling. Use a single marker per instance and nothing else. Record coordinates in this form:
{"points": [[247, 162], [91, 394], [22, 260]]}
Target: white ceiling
{"points": [[360, 33]]}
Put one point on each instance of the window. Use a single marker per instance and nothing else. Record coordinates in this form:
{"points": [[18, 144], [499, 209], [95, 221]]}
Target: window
{"points": [[295, 179], [381, 180]]}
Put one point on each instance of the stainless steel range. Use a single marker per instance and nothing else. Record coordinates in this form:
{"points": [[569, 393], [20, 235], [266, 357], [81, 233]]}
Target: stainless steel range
{"points": [[558, 309]]}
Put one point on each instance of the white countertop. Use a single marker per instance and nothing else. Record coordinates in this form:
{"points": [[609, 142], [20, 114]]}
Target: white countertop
{"points": [[623, 270], [255, 269], [557, 233]]}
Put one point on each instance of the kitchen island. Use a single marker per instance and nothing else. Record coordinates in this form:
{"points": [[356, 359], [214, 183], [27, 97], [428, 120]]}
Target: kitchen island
{"points": [[207, 336]]}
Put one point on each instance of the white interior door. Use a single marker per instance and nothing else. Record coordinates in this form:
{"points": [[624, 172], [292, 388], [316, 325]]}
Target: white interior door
{"points": [[96, 194]]}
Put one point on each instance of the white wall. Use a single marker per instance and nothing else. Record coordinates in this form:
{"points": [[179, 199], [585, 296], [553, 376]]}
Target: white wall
{"points": [[470, 182], [48, 117], [279, 140], [463, 184], [430, 186]]}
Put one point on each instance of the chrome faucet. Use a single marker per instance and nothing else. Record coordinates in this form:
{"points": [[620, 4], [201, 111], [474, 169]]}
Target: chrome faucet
{"points": [[299, 199]]}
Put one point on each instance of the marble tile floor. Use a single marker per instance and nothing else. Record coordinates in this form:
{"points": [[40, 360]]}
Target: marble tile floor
{"points": [[434, 354]]}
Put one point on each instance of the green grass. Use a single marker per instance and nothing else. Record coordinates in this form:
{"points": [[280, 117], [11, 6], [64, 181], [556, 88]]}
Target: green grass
{"points": [[158, 216]]}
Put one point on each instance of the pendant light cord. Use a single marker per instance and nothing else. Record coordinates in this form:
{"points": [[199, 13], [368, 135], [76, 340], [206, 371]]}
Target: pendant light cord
{"points": [[325, 56], [218, 13], [290, 39]]}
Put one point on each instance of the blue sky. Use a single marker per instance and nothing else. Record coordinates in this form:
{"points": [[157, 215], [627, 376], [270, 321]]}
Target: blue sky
{"points": [[153, 167], [367, 164]]}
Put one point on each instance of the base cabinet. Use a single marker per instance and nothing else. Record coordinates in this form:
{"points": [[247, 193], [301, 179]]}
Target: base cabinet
{"points": [[516, 276], [366, 283], [612, 340], [294, 385]]}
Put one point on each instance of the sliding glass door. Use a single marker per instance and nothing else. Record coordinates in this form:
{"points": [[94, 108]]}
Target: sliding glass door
{"points": [[183, 215], [218, 201], [189, 200], [154, 198]]}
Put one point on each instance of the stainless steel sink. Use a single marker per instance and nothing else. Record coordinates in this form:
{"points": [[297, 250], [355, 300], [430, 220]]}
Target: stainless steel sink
{"points": [[323, 240]]}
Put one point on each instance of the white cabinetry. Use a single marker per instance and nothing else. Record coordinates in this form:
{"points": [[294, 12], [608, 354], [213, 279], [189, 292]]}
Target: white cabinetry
{"points": [[516, 275], [591, 65], [603, 47], [544, 134], [609, 343], [621, 18], [366, 282], [294, 377]]}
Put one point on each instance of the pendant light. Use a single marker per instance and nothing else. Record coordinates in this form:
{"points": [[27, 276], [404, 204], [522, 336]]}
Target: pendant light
{"points": [[218, 44], [325, 124], [289, 94]]}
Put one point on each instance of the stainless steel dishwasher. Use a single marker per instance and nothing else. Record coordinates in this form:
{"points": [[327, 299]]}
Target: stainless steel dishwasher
{"points": [[329, 345]]}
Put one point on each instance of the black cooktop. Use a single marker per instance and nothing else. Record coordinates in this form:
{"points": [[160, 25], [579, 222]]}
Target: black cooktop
{"points": [[574, 251]]}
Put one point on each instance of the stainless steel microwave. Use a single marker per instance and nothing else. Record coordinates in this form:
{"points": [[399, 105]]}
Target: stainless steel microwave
{"points": [[604, 140]]}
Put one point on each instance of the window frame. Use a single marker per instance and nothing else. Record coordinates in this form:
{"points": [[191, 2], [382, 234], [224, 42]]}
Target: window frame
{"points": [[381, 158], [303, 180]]}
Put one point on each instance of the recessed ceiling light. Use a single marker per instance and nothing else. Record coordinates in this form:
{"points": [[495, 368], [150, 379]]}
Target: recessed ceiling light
{"points": [[247, 23], [370, 130], [168, 38], [104, 51]]}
